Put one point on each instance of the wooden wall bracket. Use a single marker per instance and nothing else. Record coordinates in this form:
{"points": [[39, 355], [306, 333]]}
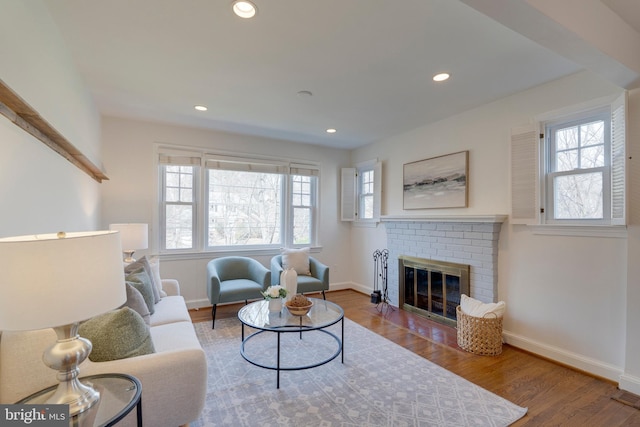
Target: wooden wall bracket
{"points": [[13, 107]]}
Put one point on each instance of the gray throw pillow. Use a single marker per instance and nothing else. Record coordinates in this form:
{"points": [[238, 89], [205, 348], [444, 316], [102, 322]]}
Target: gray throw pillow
{"points": [[140, 280], [135, 301], [118, 334], [143, 263]]}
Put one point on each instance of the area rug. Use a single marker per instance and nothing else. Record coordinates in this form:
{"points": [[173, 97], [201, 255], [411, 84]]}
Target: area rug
{"points": [[379, 384]]}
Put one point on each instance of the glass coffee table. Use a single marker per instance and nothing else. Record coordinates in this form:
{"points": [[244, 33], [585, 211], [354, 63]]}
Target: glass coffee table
{"points": [[322, 315]]}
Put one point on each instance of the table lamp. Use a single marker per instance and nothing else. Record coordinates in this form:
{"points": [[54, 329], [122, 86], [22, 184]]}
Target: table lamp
{"points": [[133, 236], [57, 281]]}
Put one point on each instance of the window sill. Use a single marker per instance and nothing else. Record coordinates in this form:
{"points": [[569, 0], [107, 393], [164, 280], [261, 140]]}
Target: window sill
{"points": [[267, 252], [610, 231]]}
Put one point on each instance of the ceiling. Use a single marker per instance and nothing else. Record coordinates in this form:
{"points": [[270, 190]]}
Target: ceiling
{"points": [[367, 63]]}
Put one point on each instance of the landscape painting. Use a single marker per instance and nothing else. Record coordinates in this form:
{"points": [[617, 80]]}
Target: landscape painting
{"points": [[439, 182]]}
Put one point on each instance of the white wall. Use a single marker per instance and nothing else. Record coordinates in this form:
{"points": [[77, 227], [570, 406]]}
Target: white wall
{"points": [[130, 195], [631, 377], [566, 296], [42, 192]]}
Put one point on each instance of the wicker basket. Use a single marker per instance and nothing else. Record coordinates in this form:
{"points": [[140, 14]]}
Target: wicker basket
{"points": [[479, 335]]}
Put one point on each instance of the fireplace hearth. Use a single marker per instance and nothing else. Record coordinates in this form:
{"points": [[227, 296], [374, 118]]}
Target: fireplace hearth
{"points": [[432, 288]]}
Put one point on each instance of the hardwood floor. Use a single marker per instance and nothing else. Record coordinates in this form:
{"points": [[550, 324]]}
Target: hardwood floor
{"points": [[555, 395]]}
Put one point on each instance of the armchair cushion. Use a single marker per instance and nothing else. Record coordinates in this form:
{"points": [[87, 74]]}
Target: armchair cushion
{"points": [[317, 281], [298, 259]]}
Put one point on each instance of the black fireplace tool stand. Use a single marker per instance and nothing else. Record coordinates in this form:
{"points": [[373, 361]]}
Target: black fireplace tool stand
{"points": [[380, 295]]}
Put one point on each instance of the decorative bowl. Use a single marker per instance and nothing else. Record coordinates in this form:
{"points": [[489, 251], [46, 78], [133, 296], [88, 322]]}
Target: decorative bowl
{"points": [[298, 310]]}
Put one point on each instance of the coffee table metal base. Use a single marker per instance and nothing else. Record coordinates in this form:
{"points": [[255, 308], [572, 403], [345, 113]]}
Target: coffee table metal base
{"points": [[292, 329]]}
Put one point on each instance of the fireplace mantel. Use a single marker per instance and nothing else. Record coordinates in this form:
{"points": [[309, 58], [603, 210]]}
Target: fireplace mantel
{"points": [[444, 218]]}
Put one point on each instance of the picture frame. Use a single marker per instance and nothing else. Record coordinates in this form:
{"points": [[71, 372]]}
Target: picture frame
{"points": [[437, 182]]}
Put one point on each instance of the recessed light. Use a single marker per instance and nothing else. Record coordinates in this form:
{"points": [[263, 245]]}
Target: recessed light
{"points": [[200, 108], [441, 77], [244, 8], [331, 130]]}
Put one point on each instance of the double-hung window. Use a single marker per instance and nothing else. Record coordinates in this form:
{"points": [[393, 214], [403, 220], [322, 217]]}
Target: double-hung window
{"points": [[237, 203], [178, 200], [578, 172], [366, 193], [570, 170], [302, 208]]}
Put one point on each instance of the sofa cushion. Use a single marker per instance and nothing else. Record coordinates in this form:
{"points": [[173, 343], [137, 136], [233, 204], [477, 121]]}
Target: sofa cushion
{"points": [[118, 334], [170, 309], [174, 337], [135, 301], [141, 281], [298, 259], [145, 264]]}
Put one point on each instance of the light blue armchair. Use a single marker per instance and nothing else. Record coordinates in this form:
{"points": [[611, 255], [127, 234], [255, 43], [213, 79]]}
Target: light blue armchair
{"points": [[235, 278], [317, 282]]}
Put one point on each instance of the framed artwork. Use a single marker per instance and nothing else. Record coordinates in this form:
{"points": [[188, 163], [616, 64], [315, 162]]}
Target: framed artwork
{"points": [[438, 182]]}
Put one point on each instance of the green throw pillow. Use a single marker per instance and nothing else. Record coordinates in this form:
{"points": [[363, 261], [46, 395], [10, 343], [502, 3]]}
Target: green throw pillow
{"points": [[118, 334], [141, 281]]}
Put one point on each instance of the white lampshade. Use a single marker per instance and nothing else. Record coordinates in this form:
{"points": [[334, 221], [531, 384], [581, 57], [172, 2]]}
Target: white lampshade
{"points": [[52, 280], [133, 236]]}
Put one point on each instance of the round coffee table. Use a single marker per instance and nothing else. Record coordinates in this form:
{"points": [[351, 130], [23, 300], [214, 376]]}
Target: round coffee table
{"points": [[322, 315]]}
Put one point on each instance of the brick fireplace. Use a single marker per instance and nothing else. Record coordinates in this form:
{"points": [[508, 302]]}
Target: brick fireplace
{"points": [[471, 240]]}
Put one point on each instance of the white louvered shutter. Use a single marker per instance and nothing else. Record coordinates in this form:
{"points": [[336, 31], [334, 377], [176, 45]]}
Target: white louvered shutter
{"points": [[377, 190], [618, 160], [525, 161], [348, 195]]}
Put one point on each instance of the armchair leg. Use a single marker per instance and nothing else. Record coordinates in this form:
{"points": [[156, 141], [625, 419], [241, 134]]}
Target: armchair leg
{"points": [[324, 297], [213, 316]]}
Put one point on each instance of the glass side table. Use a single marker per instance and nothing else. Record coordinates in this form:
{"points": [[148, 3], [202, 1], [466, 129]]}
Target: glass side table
{"points": [[119, 394]]}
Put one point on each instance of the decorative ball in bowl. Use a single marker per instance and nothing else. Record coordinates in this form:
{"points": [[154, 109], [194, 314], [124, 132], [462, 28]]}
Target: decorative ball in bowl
{"points": [[299, 305]]}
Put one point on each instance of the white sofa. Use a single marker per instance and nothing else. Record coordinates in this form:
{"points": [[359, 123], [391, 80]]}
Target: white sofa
{"points": [[174, 378]]}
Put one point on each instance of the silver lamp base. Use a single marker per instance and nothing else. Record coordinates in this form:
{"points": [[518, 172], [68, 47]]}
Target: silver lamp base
{"points": [[69, 351], [128, 257]]}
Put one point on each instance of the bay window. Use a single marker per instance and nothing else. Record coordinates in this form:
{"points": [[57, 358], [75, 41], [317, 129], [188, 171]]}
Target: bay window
{"points": [[228, 203]]}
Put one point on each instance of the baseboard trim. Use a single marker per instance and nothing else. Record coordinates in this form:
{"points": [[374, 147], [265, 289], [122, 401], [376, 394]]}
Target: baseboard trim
{"points": [[574, 360], [198, 303], [348, 285], [629, 383], [195, 304]]}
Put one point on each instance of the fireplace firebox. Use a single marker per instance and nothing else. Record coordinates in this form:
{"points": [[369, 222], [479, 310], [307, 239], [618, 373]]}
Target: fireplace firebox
{"points": [[432, 288]]}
